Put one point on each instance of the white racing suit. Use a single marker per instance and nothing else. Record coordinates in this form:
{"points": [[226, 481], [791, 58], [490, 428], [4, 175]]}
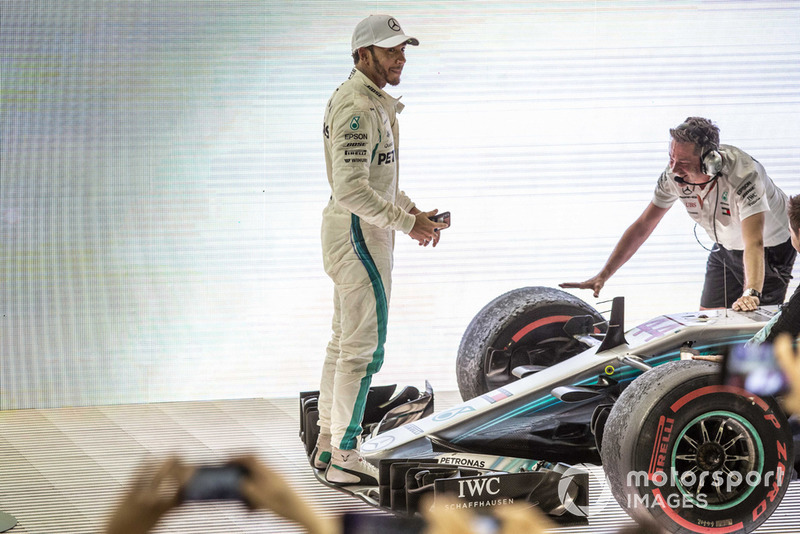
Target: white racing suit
{"points": [[358, 225]]}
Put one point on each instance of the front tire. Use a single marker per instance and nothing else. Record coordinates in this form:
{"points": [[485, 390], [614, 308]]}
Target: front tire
{"points": [[695, 455], [522, 327]]}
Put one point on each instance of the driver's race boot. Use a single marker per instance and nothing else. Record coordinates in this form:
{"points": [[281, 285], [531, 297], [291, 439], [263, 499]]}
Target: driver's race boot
{"points": [[349, 467], [322, 451]]}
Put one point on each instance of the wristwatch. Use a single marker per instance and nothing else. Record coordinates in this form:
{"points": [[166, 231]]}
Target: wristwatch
{"points": [[750, 292]]}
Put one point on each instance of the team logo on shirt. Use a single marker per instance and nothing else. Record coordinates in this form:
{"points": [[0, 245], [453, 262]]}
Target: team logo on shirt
{"points": [[749, 193], [746, 188], [354, 122], [725, 207]]}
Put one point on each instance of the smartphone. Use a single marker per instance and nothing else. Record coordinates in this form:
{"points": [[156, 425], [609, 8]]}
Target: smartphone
{"points": [[754, 368], [442, 218], [221, 483]]}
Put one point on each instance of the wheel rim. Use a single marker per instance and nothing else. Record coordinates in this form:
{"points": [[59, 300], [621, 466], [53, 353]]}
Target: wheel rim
{"points": [[717, 446], [545, 346]]}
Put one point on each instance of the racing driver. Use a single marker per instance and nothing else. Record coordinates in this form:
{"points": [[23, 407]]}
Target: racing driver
{"points": [[358, 225]]}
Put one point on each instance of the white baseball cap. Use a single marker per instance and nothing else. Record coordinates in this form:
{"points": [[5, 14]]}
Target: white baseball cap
{"points": [[379, 30]]}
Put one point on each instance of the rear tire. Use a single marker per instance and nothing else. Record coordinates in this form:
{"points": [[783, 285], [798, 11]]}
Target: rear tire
{"points": [[521, 327], [675, 433]]}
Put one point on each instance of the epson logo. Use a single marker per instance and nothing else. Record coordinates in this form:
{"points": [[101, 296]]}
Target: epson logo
{"points": [[477, 486], [355, 136]]}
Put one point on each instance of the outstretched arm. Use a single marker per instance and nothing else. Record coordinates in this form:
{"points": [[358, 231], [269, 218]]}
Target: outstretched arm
{"points": [[629, 243]]}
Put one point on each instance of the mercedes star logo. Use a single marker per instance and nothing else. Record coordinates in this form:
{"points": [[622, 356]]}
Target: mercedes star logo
{"points": [[394, 25]]}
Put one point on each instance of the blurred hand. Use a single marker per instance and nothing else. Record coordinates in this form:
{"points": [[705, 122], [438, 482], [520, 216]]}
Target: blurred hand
{"points": [[513, 519], [264, 488], [522, 519], [445, 519], [151, 496], [789, 361], [595, 283]]}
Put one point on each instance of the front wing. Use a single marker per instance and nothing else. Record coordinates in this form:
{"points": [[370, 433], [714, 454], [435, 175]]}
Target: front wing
{"points": [[453, 479]]}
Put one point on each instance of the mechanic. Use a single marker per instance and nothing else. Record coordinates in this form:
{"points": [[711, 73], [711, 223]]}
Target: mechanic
{"points": [[358, 225], [729, 194], [787, 320]]}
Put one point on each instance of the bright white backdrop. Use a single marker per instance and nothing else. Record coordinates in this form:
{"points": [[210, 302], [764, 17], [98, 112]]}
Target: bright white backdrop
{"points": [[162, 177]]}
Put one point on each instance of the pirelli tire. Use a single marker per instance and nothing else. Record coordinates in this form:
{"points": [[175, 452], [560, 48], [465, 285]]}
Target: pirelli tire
{"points": [[521, 327], [695, 455]]}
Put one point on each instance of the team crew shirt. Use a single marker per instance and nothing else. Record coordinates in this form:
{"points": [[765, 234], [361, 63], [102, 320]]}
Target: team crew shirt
{"points": [[742, 189]]}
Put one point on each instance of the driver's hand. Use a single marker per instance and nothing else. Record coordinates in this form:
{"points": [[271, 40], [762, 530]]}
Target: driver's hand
{"points": [[595, 283], [425, 230]]}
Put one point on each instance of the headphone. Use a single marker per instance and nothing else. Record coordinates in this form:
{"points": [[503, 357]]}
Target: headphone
{"points": [[711, 162], [710, 158]]}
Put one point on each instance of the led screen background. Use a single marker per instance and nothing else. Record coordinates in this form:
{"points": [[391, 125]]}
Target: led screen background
{"points": [[162, 176]]}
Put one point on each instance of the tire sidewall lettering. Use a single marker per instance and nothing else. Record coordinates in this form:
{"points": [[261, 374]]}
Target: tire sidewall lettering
{"points": [[665, 426]]}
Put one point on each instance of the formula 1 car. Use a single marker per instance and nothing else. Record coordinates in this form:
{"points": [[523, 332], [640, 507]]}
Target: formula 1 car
{"points": [[548, 383]]}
